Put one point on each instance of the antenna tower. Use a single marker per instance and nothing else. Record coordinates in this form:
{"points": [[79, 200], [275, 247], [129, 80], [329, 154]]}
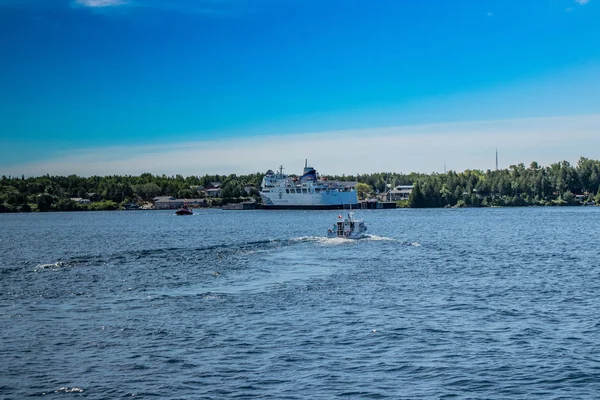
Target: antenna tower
{"points": [[496, 159]]}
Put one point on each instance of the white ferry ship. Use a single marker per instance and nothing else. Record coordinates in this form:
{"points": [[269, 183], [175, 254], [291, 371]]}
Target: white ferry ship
{"points": [[308, 191]]}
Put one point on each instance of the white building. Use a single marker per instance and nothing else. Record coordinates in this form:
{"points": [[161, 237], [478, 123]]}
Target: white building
{"points": [[167, 202], [400, 192], [80, 200]]}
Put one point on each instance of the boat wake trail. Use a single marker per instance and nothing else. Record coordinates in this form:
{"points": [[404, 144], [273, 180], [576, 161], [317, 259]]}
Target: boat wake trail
{"points": [[167, 253], [376, 238], [69, 263], [323, 240], [380, 238], [200, 255], [340, 241]]}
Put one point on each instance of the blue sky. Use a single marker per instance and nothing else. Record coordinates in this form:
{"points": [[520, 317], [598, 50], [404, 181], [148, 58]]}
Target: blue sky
{"points": [[148, 77]]}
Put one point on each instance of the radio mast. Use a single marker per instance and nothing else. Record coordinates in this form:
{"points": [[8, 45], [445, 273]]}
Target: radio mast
{"points": [[496, 159]]}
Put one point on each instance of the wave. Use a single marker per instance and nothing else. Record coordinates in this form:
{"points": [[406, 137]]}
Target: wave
{"points": [[57, 264], [69, 390]]}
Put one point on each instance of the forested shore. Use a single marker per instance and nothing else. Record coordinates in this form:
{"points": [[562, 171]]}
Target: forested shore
{"points": [[558, 184]]}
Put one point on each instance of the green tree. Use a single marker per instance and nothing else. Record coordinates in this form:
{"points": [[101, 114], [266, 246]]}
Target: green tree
{"points": [[363, 190], [416, 198], [44, 202]]}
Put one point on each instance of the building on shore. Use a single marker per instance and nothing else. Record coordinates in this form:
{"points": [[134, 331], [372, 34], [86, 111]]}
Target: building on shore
{"points": [[171, 203], [167, 202], [399, 193], [80, 200]]}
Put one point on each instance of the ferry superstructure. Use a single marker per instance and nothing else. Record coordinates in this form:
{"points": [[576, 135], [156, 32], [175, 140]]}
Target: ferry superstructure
{"points": [[308, 191]]}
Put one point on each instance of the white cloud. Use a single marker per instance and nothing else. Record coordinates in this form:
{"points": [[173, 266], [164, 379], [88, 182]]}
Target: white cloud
{"points": [[579, 2], [421, 148], [100, 3], [197, 7]]}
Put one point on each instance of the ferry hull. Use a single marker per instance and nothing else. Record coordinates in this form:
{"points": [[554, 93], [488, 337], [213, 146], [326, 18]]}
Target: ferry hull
{"points": [[330, 200], [309, 207]]}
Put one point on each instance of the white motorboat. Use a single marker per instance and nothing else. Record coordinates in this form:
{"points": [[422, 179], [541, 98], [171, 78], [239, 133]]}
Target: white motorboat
{"points": [[348, 228]]}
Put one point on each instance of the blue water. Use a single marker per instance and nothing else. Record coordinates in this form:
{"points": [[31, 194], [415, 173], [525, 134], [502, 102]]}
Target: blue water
{"points": [[449, 303]]}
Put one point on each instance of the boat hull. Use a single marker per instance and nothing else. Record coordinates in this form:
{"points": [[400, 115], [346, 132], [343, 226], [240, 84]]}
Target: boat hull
{"points": [[327, 200], [353, 235], [309, 207]]}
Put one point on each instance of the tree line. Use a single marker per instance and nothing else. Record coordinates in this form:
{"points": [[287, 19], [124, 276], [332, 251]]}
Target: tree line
{"points": [[55, 193], [557, 184]]}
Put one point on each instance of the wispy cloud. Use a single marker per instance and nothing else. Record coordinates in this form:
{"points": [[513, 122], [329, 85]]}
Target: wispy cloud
{"points": [[100, 3], [199, 7], [579, 3], [192, 7], [421, 148]]}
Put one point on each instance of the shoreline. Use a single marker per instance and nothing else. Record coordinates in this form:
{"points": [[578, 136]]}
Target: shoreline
{"points": [[301, 208]]}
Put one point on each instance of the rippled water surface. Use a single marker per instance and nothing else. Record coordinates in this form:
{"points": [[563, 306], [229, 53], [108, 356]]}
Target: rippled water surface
{"points": [[473, 303]]}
